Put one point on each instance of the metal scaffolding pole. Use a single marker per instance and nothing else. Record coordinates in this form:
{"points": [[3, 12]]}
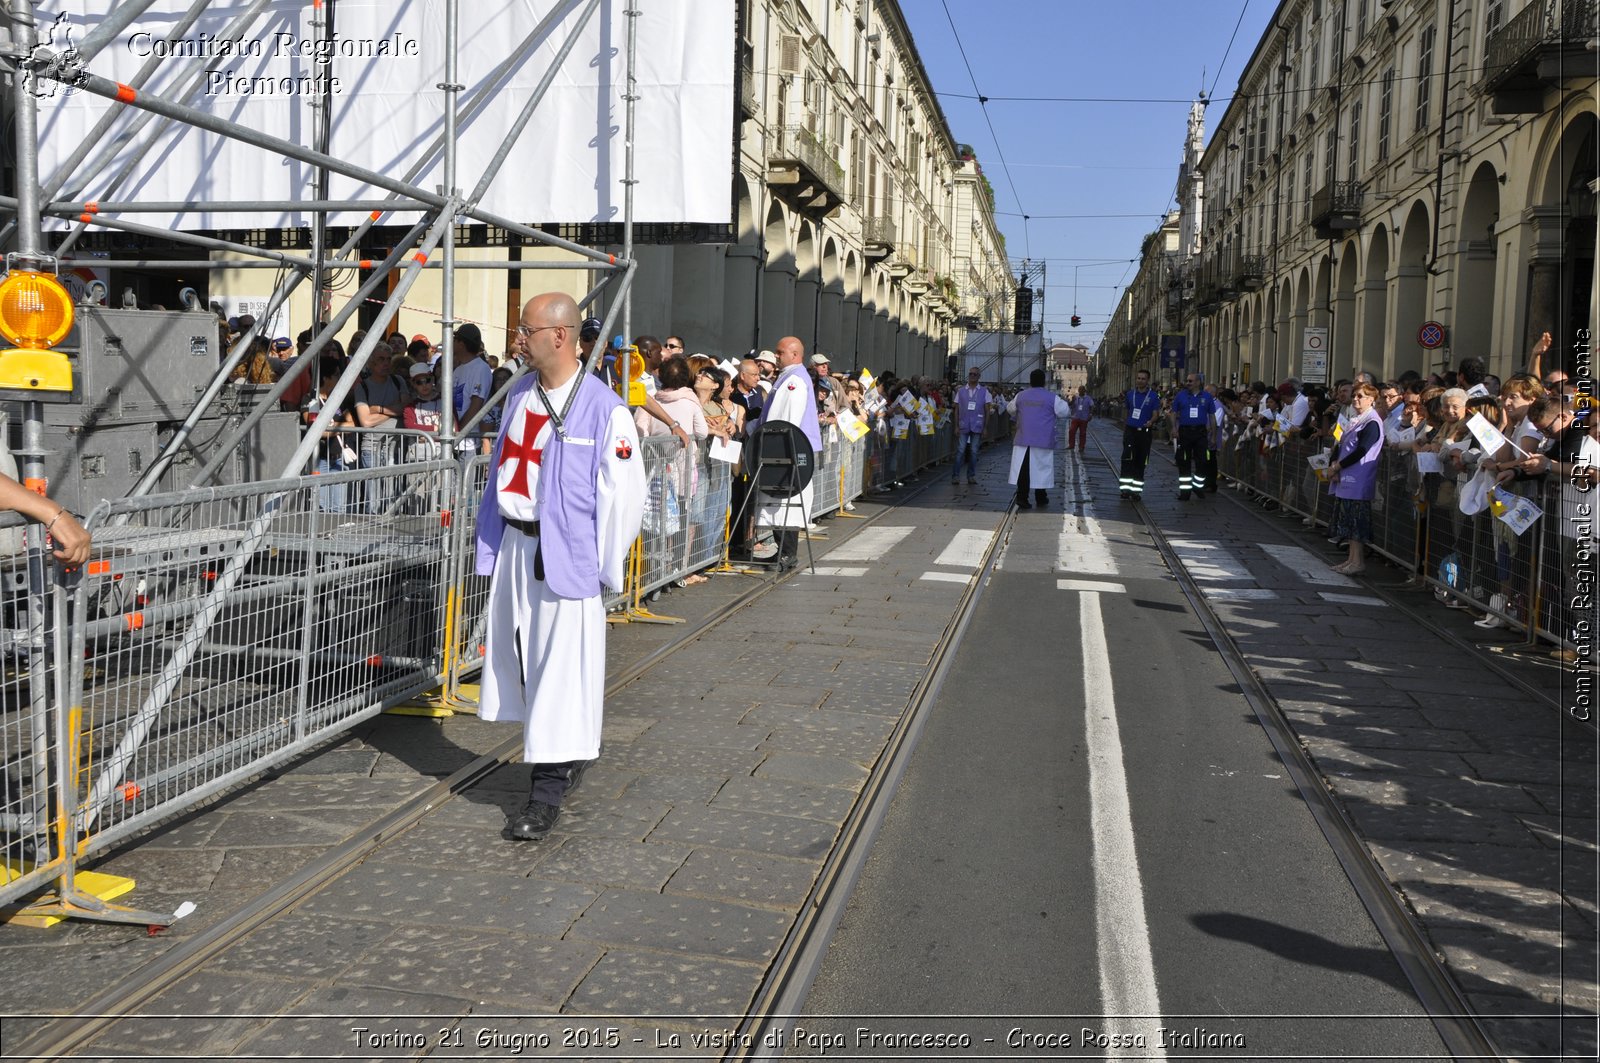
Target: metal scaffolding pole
{"points": [[447, 322], [630, 97], [301, 364], [196, 69]]}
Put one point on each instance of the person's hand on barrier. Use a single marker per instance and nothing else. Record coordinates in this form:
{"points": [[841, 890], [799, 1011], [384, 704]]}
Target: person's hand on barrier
{"points": [[70, 540], [683, 436]]}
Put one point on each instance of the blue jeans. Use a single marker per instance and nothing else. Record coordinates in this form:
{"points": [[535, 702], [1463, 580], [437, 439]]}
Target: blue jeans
{"points": [[967, 450], [332, 498]]}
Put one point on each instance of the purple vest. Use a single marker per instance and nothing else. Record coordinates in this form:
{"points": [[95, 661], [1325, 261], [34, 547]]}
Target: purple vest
{"points": [[1036, 419], [569, 536], [971, 420], [1359, 481]]}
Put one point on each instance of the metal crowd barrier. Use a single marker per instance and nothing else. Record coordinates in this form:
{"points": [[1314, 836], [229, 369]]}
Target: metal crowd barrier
{"points": [[217, 632], [1538, 583]]}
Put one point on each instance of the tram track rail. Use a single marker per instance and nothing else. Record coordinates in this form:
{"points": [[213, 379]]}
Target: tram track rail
{"points": [[789, 979], [1441, 998], [63, 1036]]}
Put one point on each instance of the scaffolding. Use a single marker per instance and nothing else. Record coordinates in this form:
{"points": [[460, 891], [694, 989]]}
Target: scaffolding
{"points": [[36, 67]]}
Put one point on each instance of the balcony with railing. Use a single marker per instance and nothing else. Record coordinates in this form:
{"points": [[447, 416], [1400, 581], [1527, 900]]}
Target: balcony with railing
{"points": [[749, 99], [1541, 45], [802, 168], [1336, 209], [878, 236], [1249, 272]]}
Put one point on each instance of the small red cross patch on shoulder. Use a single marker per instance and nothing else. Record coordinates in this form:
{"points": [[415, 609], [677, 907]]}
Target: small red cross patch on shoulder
{"points": [[624, 449], [791, 385]]}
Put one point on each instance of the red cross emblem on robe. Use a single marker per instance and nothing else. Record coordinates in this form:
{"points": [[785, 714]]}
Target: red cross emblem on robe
{"points": [[525, 453]]}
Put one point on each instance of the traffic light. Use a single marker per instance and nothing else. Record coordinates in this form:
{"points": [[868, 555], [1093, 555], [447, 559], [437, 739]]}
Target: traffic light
{"points": [[1076, 320]]}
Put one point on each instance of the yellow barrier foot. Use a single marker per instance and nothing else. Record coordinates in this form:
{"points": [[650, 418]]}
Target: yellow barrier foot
{"points": [[88, 900], [645, 616], [436, 704], [850, 516]]}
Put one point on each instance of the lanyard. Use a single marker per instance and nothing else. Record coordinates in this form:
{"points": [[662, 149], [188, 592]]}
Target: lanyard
{"points": [[556, 418]]}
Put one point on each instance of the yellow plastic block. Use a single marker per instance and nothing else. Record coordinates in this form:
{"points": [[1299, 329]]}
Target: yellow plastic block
{"points": [[23, 369], [435, 704], [49, 911]]}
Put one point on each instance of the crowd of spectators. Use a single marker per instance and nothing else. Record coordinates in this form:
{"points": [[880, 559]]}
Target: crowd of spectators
{"points": [[1433, 437]]}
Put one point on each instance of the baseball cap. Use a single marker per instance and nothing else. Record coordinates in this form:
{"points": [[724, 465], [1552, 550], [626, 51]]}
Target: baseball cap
{"points": [[282, 343], [819, 359], [421, 369], [420, 338], [768, 357], [590, 329]]}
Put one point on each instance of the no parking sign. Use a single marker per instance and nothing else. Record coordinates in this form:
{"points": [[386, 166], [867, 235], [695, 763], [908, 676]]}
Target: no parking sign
{"points": [[1431, 335]]}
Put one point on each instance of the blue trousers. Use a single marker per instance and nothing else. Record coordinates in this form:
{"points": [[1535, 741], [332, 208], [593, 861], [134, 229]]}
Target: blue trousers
{"points": [[967, 450]]}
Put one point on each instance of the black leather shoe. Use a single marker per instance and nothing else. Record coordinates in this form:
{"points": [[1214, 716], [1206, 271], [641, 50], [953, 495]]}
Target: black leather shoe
{"points": [[534, 821], [1024, 505]]}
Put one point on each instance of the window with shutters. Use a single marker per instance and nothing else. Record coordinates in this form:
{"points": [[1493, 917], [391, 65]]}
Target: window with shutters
{"points": [[1330, 152], [1424, 77], [1353, 148], [1336, 42], [1361, 18], [1314, 77], [1385, 114], [1494, 16], [1305, 198]]}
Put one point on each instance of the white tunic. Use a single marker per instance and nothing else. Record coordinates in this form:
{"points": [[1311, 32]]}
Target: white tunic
{"points": [[786, 404], [545, 658], [1042, 463]]}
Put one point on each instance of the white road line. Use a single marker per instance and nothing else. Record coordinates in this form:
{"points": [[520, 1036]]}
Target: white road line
{"points": [[945, 577], [1307, 566], [869, 545], [1210, 561], [836, 570], [1083, 549], [966, 550], [1351, 599], [1090, 585], [1260, 594], [1127, 970]]}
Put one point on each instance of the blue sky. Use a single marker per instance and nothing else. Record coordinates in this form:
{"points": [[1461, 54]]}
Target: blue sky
{"points": [[1090, 158]]}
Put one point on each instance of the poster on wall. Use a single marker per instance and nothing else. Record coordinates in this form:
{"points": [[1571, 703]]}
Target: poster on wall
{"points": [[380, 71]]}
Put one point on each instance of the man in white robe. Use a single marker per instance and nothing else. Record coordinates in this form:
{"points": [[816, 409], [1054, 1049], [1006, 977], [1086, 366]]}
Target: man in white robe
{"points": [[1037, 413], [794, 400], [561, 509]]}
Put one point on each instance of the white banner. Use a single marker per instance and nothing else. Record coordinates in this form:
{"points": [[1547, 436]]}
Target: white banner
{"points": [[567, 166]]}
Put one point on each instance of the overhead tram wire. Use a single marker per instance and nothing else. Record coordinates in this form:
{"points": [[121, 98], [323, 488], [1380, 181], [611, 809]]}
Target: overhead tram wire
{"points": [[1228, 50], [983, 105]]}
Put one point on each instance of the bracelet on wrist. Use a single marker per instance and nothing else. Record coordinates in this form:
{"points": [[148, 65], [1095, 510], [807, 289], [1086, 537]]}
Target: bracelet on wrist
{"points": [[55, 518]]}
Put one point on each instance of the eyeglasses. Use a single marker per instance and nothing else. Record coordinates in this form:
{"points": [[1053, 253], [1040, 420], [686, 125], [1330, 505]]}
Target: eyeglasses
{"points": [[418, 381], [672, 346], [528, 333]]}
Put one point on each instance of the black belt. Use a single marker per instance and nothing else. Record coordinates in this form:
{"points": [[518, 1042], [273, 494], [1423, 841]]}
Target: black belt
{"points": [[526, 527], [1138, 427]]}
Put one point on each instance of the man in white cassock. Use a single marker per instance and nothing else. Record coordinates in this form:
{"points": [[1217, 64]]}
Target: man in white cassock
{"points": [[1033, 442], [792, 399], [562, 506]]}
